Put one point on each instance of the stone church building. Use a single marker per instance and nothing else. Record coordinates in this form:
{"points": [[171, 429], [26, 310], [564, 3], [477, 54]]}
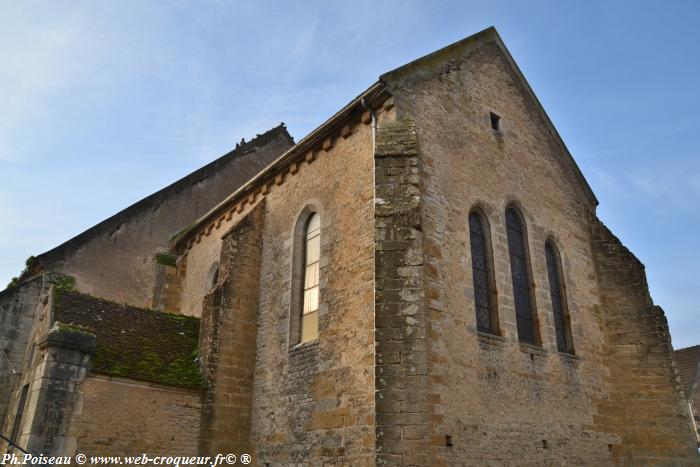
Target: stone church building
{"points": [[422, 280]]}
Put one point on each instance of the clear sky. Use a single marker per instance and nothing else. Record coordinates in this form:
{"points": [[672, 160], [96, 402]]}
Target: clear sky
{"points": [[102, 103]]}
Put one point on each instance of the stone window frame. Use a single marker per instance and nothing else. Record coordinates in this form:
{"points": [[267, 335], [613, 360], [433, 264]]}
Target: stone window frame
{"points": [[297, 273], [516, 207], [486, 228], [563, 292]]}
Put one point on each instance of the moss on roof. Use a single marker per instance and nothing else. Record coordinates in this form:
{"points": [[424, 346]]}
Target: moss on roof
{"points": [[135, 343]]}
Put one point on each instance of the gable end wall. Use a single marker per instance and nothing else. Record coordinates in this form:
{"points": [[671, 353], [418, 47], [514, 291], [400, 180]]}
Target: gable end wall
{"points": [[496, 399]]}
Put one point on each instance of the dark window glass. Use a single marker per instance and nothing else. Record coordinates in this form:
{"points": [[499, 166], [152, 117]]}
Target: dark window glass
{"points": [[556, 291], [495, 122], [520, 274], [482, 275]]}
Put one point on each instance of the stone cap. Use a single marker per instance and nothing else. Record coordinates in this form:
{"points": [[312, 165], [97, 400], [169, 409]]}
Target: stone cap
{"points": [[69, 336]]}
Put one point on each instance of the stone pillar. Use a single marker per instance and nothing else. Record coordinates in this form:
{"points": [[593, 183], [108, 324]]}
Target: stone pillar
{"points": [[645, 406], [228, 340], [66, 352], [18, 308], [401, 378]]}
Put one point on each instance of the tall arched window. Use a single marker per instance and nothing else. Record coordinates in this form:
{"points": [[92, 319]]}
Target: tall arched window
{"points": [[482, 273], [310, 281], [522, 278], [558, 295]]}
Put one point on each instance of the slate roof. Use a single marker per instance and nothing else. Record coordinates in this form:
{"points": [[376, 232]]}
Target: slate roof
{"points": [[688, 362], [133, 342]]}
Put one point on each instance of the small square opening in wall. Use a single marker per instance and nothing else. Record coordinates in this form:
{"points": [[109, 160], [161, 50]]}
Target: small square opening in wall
{"points": [[495, 122]]}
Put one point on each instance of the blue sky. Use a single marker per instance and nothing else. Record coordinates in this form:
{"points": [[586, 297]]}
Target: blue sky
{"points": [[103, 103]]}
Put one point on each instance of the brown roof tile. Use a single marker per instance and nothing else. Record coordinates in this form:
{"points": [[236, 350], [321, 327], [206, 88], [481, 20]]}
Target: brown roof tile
{"points": [[687, 361], [135, 343]]}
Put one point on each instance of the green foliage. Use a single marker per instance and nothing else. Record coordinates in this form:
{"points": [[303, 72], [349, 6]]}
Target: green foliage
{"points": [[64, 283], [166, 259], [74, 328], [29, 263], [181, 371]]}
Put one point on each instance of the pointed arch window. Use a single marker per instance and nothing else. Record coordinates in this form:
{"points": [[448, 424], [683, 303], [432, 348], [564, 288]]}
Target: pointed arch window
{"points": [[557, 293], [521, 276], [310, 281], [482, 274]]}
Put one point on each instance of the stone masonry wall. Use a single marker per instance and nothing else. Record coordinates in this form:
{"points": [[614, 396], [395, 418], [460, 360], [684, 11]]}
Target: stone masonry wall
{"points": [[64, 363], [490, 398], [193, 268], [229, 345], [17, 312], [646, 407], [401, 378], [122, 417], [315, 403]]}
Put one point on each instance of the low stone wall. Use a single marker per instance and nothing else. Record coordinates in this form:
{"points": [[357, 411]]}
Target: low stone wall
{"points": [[115, 416]]}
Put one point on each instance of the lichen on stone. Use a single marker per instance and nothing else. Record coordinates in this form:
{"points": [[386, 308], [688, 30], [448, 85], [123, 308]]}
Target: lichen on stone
{"points": [[63, 282]]}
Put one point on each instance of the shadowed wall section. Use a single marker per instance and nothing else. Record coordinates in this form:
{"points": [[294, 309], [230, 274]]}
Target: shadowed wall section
{"points": [[228, 341]]}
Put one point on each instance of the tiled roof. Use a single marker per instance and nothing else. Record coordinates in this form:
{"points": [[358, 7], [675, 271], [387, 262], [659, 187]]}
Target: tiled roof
{"points": [[687, 361], [135, 343]]}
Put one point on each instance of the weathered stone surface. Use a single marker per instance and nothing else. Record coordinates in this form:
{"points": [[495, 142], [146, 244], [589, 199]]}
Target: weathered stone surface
{"points": [[118, 417], [315, 403], [53, 394], [645, 406], [400, 375], [501, 402], [229, 340], [18, 307]]}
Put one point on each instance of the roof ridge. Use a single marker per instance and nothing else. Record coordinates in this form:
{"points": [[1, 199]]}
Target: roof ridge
{"points": [[242, 148], [474, 41]]}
